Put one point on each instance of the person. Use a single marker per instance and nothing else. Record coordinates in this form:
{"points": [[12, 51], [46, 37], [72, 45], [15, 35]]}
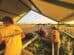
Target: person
{"points": [[55, 37], [12, 35]]}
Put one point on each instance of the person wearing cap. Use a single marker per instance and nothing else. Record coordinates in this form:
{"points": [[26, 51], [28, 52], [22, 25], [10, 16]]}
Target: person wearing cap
{"points": [[55, 37], [11, 34]]}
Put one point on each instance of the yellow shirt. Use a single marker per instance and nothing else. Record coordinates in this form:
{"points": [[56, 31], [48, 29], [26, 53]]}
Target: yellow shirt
{"points": [[12, 37], [56, 36]]}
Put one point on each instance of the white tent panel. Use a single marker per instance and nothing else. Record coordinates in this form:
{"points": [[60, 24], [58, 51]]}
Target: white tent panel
{"points": [[35, 18], [70, 22]]}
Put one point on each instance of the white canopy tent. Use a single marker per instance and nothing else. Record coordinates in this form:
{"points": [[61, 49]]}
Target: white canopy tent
{"points": [[35, 18]]}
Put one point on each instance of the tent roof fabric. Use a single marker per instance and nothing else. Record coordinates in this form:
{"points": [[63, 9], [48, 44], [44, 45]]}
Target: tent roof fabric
{"points": [[35, 18], [57, 9], [57, 12]]}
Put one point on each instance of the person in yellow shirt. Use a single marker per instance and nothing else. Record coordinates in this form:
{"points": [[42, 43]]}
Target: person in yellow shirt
{"points": [[56, 42], [11, 34]]}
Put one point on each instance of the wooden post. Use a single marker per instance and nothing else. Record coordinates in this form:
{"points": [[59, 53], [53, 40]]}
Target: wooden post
{"points": [[52, 48]]}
